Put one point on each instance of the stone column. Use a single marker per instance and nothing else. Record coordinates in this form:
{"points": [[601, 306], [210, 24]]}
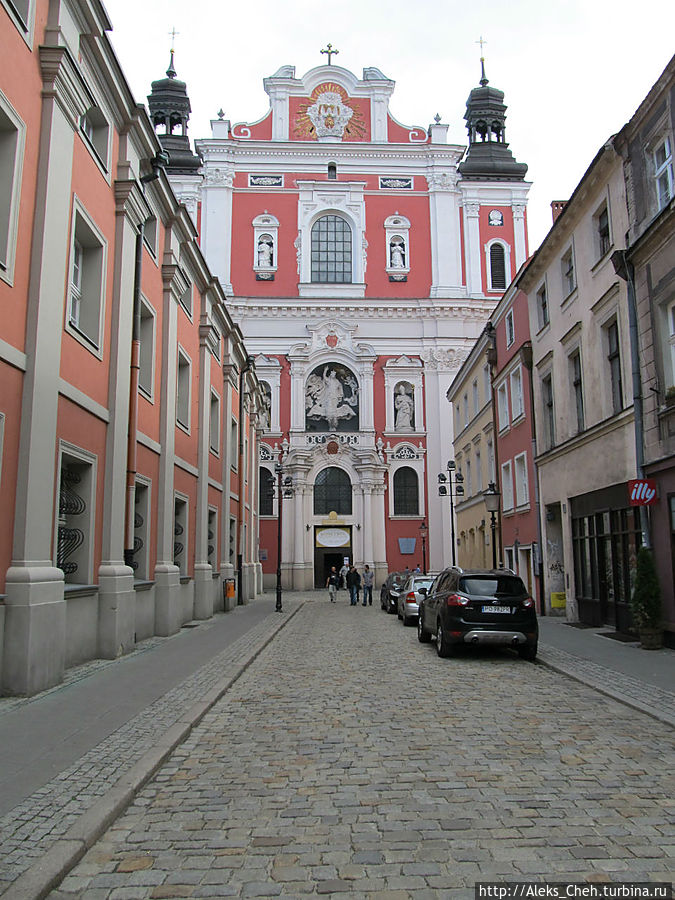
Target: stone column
{"points": [[368, 524], [35, 621]]}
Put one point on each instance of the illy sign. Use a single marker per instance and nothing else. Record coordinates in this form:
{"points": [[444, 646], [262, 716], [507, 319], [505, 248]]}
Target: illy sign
{"points": [[642, 492]]}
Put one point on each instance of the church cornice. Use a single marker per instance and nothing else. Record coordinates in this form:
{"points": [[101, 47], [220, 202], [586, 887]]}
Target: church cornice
{"points": [[466, 310], [449, 154]]}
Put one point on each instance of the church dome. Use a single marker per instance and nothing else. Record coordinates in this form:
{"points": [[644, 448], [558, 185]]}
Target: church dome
{"points": [[170, 109]]}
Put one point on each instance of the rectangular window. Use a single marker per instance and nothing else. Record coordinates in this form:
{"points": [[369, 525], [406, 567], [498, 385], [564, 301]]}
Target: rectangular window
{"points": [[468, 481], [517, 408], [510, 332], [75, 522], [95, 130], [507, 486], [671, 341], [474, 389], [577, 389], [86, 290], [141, 530], [487, 384], [183, 391], [568, 276], [12, 133], [180, 534], [479, 473], [490, 461], [147, 356], [233, 542], [466, 409], [212, 537], [549, 413], [602, 235], [542, 307], [522, 491], [234, 445], [502, 406], [19, 11], [150, 234], [214, 423], [614, 359], [663, 172]]}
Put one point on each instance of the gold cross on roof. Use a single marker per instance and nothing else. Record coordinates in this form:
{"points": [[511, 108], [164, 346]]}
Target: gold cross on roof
{"points": [[330, 52], [481, 42], [172, 35]]}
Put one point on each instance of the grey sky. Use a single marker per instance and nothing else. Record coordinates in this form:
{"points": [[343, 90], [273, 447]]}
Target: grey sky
{"points": [[572, 72]]}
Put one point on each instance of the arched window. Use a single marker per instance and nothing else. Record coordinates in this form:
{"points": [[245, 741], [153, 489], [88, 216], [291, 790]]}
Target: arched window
{"points": [[497, 268], [331, 251], [406, 492], [266, 498], [332, 492], [332, 171]]}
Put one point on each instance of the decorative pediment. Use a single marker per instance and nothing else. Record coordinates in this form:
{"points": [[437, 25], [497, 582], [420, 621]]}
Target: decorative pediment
{"points": [[332, 335], [403, 362], [266, 362]]}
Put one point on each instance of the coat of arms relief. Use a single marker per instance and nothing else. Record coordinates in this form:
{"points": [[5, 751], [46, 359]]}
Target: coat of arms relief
{"points": [[327, 115]]}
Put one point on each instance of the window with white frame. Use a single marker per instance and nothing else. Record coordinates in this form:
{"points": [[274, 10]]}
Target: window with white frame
{"points": [[234, 444], [510, 331], [214, 423], [20, 13], [507, 486], [183, 387], [406, 492], [180, 534], [490, 461], [147, 355], [517, 406], [266, 492], [479, 472], [468, 478], [663, 172], [86, 291], [522, 488], [212, 538], [671, 341], [331, 250], [140, 563], [150, 234], [549, 413], [497, 262], [95, 129], [577, 389], [397, 236], [75, 522], [474, 391], [569, 279], [603, 238], [232, 549], [465, 401], [614, 364], [265, 246], [503, 406], [487, 384], [542, 306], [12, 139]]}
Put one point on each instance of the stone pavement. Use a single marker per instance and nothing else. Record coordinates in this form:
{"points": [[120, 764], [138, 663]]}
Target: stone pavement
{"points": [[347, 758]]}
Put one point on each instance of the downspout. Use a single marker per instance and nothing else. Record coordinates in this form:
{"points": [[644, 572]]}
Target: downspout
{"points": [[624, 269], [248, 365], [526, 353], [491, 336]]}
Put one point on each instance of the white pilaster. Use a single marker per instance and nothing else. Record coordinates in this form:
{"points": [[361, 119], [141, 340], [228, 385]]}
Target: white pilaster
{"points": [[446, 260], [519, 237], [217, 220], [472, 248]]}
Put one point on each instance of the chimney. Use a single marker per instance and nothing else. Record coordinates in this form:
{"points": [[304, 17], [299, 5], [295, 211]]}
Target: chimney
{"points": [[557, 206]]}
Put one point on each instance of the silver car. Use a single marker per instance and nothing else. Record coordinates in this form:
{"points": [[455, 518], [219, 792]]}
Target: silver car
{"points": [[409, 597]]}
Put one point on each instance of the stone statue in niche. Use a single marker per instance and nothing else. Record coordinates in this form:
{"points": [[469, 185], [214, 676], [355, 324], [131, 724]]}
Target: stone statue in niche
{"points": [[265, 245], [397, 253], [266, 412], [404, 407], [332, 400]]}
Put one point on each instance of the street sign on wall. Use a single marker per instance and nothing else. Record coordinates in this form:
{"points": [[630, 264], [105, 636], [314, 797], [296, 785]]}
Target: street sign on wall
{"points": [[641, 492]]}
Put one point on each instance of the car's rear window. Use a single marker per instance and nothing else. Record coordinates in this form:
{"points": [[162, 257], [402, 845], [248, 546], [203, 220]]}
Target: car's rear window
{"points": [[487, 586], [422, 582]]}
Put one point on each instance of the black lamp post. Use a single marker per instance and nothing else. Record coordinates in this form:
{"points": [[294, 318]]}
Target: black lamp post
{"points": [[423, 532], [491, 497], [446, 488], [284, 489]]}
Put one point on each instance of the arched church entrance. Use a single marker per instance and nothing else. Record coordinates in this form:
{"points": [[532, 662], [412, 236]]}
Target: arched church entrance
{"points": [[333, 540]]}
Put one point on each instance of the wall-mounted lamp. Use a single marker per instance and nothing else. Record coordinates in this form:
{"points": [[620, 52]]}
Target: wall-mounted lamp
{"points": [[308, 527], [358, 527]]}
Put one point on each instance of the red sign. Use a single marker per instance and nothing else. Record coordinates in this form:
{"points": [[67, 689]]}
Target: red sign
{"points": [[641, 492]]}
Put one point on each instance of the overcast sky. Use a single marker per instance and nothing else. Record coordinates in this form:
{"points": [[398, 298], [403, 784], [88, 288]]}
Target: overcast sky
{"points": [[573, 72]]}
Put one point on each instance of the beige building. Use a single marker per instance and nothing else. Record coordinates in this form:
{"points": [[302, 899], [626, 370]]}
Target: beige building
{"points": [[583, 401], [474, 450]]}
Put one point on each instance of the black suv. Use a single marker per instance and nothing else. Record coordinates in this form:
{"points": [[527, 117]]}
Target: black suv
{"points": [[478, 606]]}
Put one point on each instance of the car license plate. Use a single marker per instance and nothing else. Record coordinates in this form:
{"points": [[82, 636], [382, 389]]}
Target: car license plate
{"points": [[496, 609]]}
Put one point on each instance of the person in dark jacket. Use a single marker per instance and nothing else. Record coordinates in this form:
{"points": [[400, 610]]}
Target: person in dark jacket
{"points": [[353, 585]]}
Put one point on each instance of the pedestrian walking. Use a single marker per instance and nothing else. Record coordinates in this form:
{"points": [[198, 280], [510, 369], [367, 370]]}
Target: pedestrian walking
{"points": [[332, 583], [368, 577], [343, 575], [353, 584]]}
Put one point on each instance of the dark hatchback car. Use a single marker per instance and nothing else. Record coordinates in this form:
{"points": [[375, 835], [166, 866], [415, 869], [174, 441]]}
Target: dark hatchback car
{"points": [[390, 591], [478, 606]]}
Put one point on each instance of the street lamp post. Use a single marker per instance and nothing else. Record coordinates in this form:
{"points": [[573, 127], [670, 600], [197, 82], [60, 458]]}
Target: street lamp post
{"points": [[491, 497], [423, 533], [284, 489], [446, 488]]}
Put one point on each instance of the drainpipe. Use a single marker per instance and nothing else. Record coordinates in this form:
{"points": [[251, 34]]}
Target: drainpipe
{"points": [[160, 160], [624, 269], [248, 365], [526, 354], [491, 355]]}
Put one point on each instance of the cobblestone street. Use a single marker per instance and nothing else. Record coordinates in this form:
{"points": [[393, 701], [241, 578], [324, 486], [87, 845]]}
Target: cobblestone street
{"points": [[349, 759]]}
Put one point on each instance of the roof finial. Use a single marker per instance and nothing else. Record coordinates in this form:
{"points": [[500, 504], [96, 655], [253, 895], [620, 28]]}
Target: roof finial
{"points": [[171, 72], [330, 52], [483, 80]]}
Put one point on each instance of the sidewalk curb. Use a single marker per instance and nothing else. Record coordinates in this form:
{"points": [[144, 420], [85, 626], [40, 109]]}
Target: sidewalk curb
{"points": [[46, 874], [608, 692]]}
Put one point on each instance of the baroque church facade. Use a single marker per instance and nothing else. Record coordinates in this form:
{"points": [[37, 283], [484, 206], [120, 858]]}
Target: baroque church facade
{"points": [[361, 259]]}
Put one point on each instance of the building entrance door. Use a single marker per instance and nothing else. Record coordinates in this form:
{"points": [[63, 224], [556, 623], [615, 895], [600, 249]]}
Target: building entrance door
{"points": [[332, 546]]}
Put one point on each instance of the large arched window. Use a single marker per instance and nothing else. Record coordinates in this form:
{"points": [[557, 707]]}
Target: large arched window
{"points": [[266, 498], [331, 251], [406, 492], [497, 268], [332, 492]]}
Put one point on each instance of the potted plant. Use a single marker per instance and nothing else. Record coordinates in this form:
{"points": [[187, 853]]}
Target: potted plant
{"points": [[645, 602]]}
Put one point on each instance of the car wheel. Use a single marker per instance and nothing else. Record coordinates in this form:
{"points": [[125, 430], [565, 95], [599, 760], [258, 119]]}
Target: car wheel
{"points": [[528, 651], [406, 621], [398, 613], [443, 647], [423, 635]]}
